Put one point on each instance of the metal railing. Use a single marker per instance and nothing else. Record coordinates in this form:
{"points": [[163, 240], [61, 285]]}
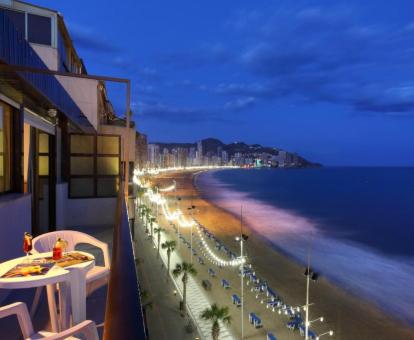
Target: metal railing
{"points": [[123, 315], [15, 50]]}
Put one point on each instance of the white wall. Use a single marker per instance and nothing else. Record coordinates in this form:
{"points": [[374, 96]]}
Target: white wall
{"points": [[83, 212], [49, 55], [15, 219], [85, 94]]}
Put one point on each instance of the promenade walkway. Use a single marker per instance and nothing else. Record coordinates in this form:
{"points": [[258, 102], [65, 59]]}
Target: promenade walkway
{"points": [[163, 318], [196, 298], [153, 276], [272, 322]]}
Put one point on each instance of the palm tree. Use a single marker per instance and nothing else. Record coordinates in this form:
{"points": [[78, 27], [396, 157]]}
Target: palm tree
{"points": [[144, 211], [184, 269], [216, 314], [151, 222], [140, 193], [170, 247], [158, 231], [146, 214]]}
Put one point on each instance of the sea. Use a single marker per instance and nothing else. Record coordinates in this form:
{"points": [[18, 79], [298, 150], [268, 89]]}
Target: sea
{"points": [[357, 223]]}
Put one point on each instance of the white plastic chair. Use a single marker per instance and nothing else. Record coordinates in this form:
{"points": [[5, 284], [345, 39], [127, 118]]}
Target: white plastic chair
{"points": [[87, 328], [95, 278]]}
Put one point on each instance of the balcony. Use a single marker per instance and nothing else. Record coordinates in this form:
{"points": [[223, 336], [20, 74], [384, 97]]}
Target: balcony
{"points": [[15, 50], [116, 307]]}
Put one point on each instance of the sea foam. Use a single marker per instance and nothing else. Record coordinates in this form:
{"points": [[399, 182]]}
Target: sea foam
{"points": [[387, 281]]}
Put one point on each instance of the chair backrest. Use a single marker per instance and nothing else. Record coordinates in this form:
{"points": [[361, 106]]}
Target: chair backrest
{"points": [[45, 242]]}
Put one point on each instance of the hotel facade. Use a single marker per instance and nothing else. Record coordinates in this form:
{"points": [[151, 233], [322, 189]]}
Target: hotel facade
{"points": [[62, 147]]}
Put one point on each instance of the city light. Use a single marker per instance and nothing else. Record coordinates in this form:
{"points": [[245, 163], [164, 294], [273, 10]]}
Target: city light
{"points": [[177, 216]]}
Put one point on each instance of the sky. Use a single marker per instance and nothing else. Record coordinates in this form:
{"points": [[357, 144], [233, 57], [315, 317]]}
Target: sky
{"points": [[331, 80]]}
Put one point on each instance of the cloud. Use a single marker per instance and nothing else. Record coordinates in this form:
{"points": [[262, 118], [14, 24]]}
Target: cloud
{"points": [[178, 115], [90, 39], [324, 55], [200, 56], [255, 89], [396, 101], [240, 103], [132, 67]]}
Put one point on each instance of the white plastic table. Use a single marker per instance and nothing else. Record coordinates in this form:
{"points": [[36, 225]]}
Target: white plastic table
{"points": [[73, 277]]}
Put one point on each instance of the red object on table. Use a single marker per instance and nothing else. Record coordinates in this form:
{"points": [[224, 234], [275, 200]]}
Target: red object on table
{"points": [[57, 253], [27, 245]]}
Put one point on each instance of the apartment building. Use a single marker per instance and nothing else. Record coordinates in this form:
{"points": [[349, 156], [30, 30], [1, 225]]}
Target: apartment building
{"points": [[61, 143]]}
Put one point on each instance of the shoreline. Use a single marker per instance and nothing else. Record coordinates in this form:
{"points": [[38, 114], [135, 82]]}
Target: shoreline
{"points": [[349, 316]]}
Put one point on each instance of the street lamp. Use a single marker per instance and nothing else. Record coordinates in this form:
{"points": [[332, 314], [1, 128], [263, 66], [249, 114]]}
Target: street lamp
{"points": [[314, 276], [190, 209], [178, 224], [242, 238], [318, 319], [330, 333], [157, 189]]}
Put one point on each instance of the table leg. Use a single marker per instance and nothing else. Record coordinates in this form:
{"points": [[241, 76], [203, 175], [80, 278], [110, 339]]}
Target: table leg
{"points": [[78, 295], [50, 289], [64, 306]]}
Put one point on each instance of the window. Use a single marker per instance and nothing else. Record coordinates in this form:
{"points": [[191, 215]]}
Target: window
{"points": [[94, 165], [39, 29], [5, 148], [18, 20]]}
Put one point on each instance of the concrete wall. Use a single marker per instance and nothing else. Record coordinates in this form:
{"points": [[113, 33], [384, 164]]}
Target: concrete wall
{"points": [[49, 55], [121, 131], [85, 94], [83, 212], [15, 219]]}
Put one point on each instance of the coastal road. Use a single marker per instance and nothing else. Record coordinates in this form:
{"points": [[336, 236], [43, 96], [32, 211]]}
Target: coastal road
{"points": [[164, 319]]}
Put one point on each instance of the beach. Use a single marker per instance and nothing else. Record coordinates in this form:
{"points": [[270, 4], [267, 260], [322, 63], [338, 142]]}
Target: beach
{"points": [[349, 316]]}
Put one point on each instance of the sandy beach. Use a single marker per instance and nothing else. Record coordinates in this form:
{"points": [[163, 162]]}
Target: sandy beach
{"points": [[350, 317]]}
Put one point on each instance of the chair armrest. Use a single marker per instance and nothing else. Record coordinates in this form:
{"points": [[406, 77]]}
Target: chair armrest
{"points": [[87, 328], [20, 310], [107, 260], [103, 246]]}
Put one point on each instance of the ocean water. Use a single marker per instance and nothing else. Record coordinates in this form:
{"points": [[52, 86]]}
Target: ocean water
{"points": [[359, 223]]}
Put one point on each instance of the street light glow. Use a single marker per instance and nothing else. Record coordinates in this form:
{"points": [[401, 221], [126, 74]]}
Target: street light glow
{"points": [[178, 217]]}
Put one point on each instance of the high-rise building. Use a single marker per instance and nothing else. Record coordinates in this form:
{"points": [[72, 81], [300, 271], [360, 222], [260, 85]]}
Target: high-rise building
{"points": [[200, 152], [141, 150], [192, 156], [153, 155], [224, 157]]}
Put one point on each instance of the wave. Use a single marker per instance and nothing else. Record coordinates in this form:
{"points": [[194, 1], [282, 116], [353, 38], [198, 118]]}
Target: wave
{"points": [[385, 280]]}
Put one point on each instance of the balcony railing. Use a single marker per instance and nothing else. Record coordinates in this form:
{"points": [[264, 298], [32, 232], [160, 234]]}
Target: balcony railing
{"points": [[123, 316], [15, 50]]}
